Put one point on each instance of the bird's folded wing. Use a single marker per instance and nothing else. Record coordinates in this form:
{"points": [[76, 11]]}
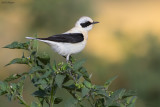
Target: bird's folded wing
{"points": [[66, 38]]}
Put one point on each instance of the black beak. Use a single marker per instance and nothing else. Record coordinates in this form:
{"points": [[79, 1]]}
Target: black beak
{"points": [[95, 22]]}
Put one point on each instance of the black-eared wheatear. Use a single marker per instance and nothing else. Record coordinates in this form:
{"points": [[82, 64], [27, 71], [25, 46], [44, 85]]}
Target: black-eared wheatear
{"points": [[72, 41]]}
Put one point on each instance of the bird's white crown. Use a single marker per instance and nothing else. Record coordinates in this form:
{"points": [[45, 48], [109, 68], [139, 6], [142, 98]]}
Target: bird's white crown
{"points": [[85, 23]]}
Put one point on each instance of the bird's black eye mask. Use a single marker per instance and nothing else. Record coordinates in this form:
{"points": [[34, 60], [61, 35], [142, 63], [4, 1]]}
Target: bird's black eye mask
{"points": [[86, 24]]}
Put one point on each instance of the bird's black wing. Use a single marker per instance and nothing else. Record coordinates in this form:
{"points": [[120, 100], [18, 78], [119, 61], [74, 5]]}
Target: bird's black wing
{"points": [[66, 38]]}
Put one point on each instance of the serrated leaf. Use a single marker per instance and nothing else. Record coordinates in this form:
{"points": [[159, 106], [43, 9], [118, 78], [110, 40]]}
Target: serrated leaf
{"points": [[35, 104], [64, 67], [131, 105], [13, 86], [35, 69], [78, 64], [19, 61], [12, 77], [3, 92], [41, 100], [118, 94], [84, 73], [98, 87], [131, 100], [44, 58], [40, 93], [85, 91], [59, 80], [58, 100], [54, 66], [130, 93], [16, 45], [71, 102], [41, 82], [70, 87], [100, 102], [16, 76], [108, 82], [46, 74], [103, 93], [87, 84], [3, 86], [109, 102], [115, 104]]}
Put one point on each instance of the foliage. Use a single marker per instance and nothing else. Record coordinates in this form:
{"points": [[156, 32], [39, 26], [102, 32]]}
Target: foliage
{"points": [[72, 77]]}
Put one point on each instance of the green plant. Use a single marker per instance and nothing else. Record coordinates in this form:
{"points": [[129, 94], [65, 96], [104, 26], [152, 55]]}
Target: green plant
{"points": [[72, 77]]}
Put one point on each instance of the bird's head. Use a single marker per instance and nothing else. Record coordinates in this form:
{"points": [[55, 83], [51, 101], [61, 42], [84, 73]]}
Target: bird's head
{"points": [[86, 23]]}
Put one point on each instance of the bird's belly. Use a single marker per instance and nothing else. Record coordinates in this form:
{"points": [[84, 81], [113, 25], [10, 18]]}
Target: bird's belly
{"points": [[68, 48]]}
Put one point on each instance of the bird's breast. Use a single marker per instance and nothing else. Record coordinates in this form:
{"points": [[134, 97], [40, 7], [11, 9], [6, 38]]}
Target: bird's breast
{"points": [[68, 48]]}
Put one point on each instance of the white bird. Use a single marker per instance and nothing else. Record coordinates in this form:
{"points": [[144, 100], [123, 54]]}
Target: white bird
{"points": [[72, 41]]}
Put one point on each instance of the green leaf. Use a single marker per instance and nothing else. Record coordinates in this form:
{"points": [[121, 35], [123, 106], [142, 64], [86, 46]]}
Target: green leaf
{"points": [[35, 69], [58, 100], [19, 61], [108, 82], [100, 102], [118, 94], [130, 93], [103, 93], [59, 80], [40, 93], [41, 100], [35, 104], [46, 74], [85, 91], [131, 105], [3, 92], [109, 102], [44, 58], [71, 102], [16, 45], [14, 77], [13, 86], [54, 66], [70, 87], [64, 67], [98, 87], [131, 100], [3, 86], [41, 82], [87, 84], [84, 73], [78, 64]]}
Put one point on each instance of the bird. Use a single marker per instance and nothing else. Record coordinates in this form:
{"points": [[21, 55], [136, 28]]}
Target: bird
{"points": [[72, 41]]}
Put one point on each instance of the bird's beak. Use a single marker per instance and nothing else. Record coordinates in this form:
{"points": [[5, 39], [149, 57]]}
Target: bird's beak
{"points": [[95, 22]]}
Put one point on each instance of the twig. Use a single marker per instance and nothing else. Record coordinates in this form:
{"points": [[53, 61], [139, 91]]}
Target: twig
{"points": [[22, 101], [52, 94]]}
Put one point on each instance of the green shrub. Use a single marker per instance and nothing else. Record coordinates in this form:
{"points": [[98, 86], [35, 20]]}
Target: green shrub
{"points": [[72, 77]]}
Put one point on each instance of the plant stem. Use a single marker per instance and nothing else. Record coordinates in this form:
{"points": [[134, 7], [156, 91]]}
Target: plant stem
{"points": [[22, 101], [90, 103], [92, 98], [53, 90]]}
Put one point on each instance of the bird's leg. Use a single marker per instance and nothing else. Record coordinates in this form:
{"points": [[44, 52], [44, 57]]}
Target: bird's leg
{"points": [[67, 58]]}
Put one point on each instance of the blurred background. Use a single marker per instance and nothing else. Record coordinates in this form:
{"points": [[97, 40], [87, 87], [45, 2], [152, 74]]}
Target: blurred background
{"points": [[126, 42]]}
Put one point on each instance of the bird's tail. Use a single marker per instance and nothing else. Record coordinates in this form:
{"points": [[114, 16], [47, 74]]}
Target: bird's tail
{"points": [[30, 38], [37, 39]]}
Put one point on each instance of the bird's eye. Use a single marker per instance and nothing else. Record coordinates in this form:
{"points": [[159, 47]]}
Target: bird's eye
{"points": [[85, 24]]}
